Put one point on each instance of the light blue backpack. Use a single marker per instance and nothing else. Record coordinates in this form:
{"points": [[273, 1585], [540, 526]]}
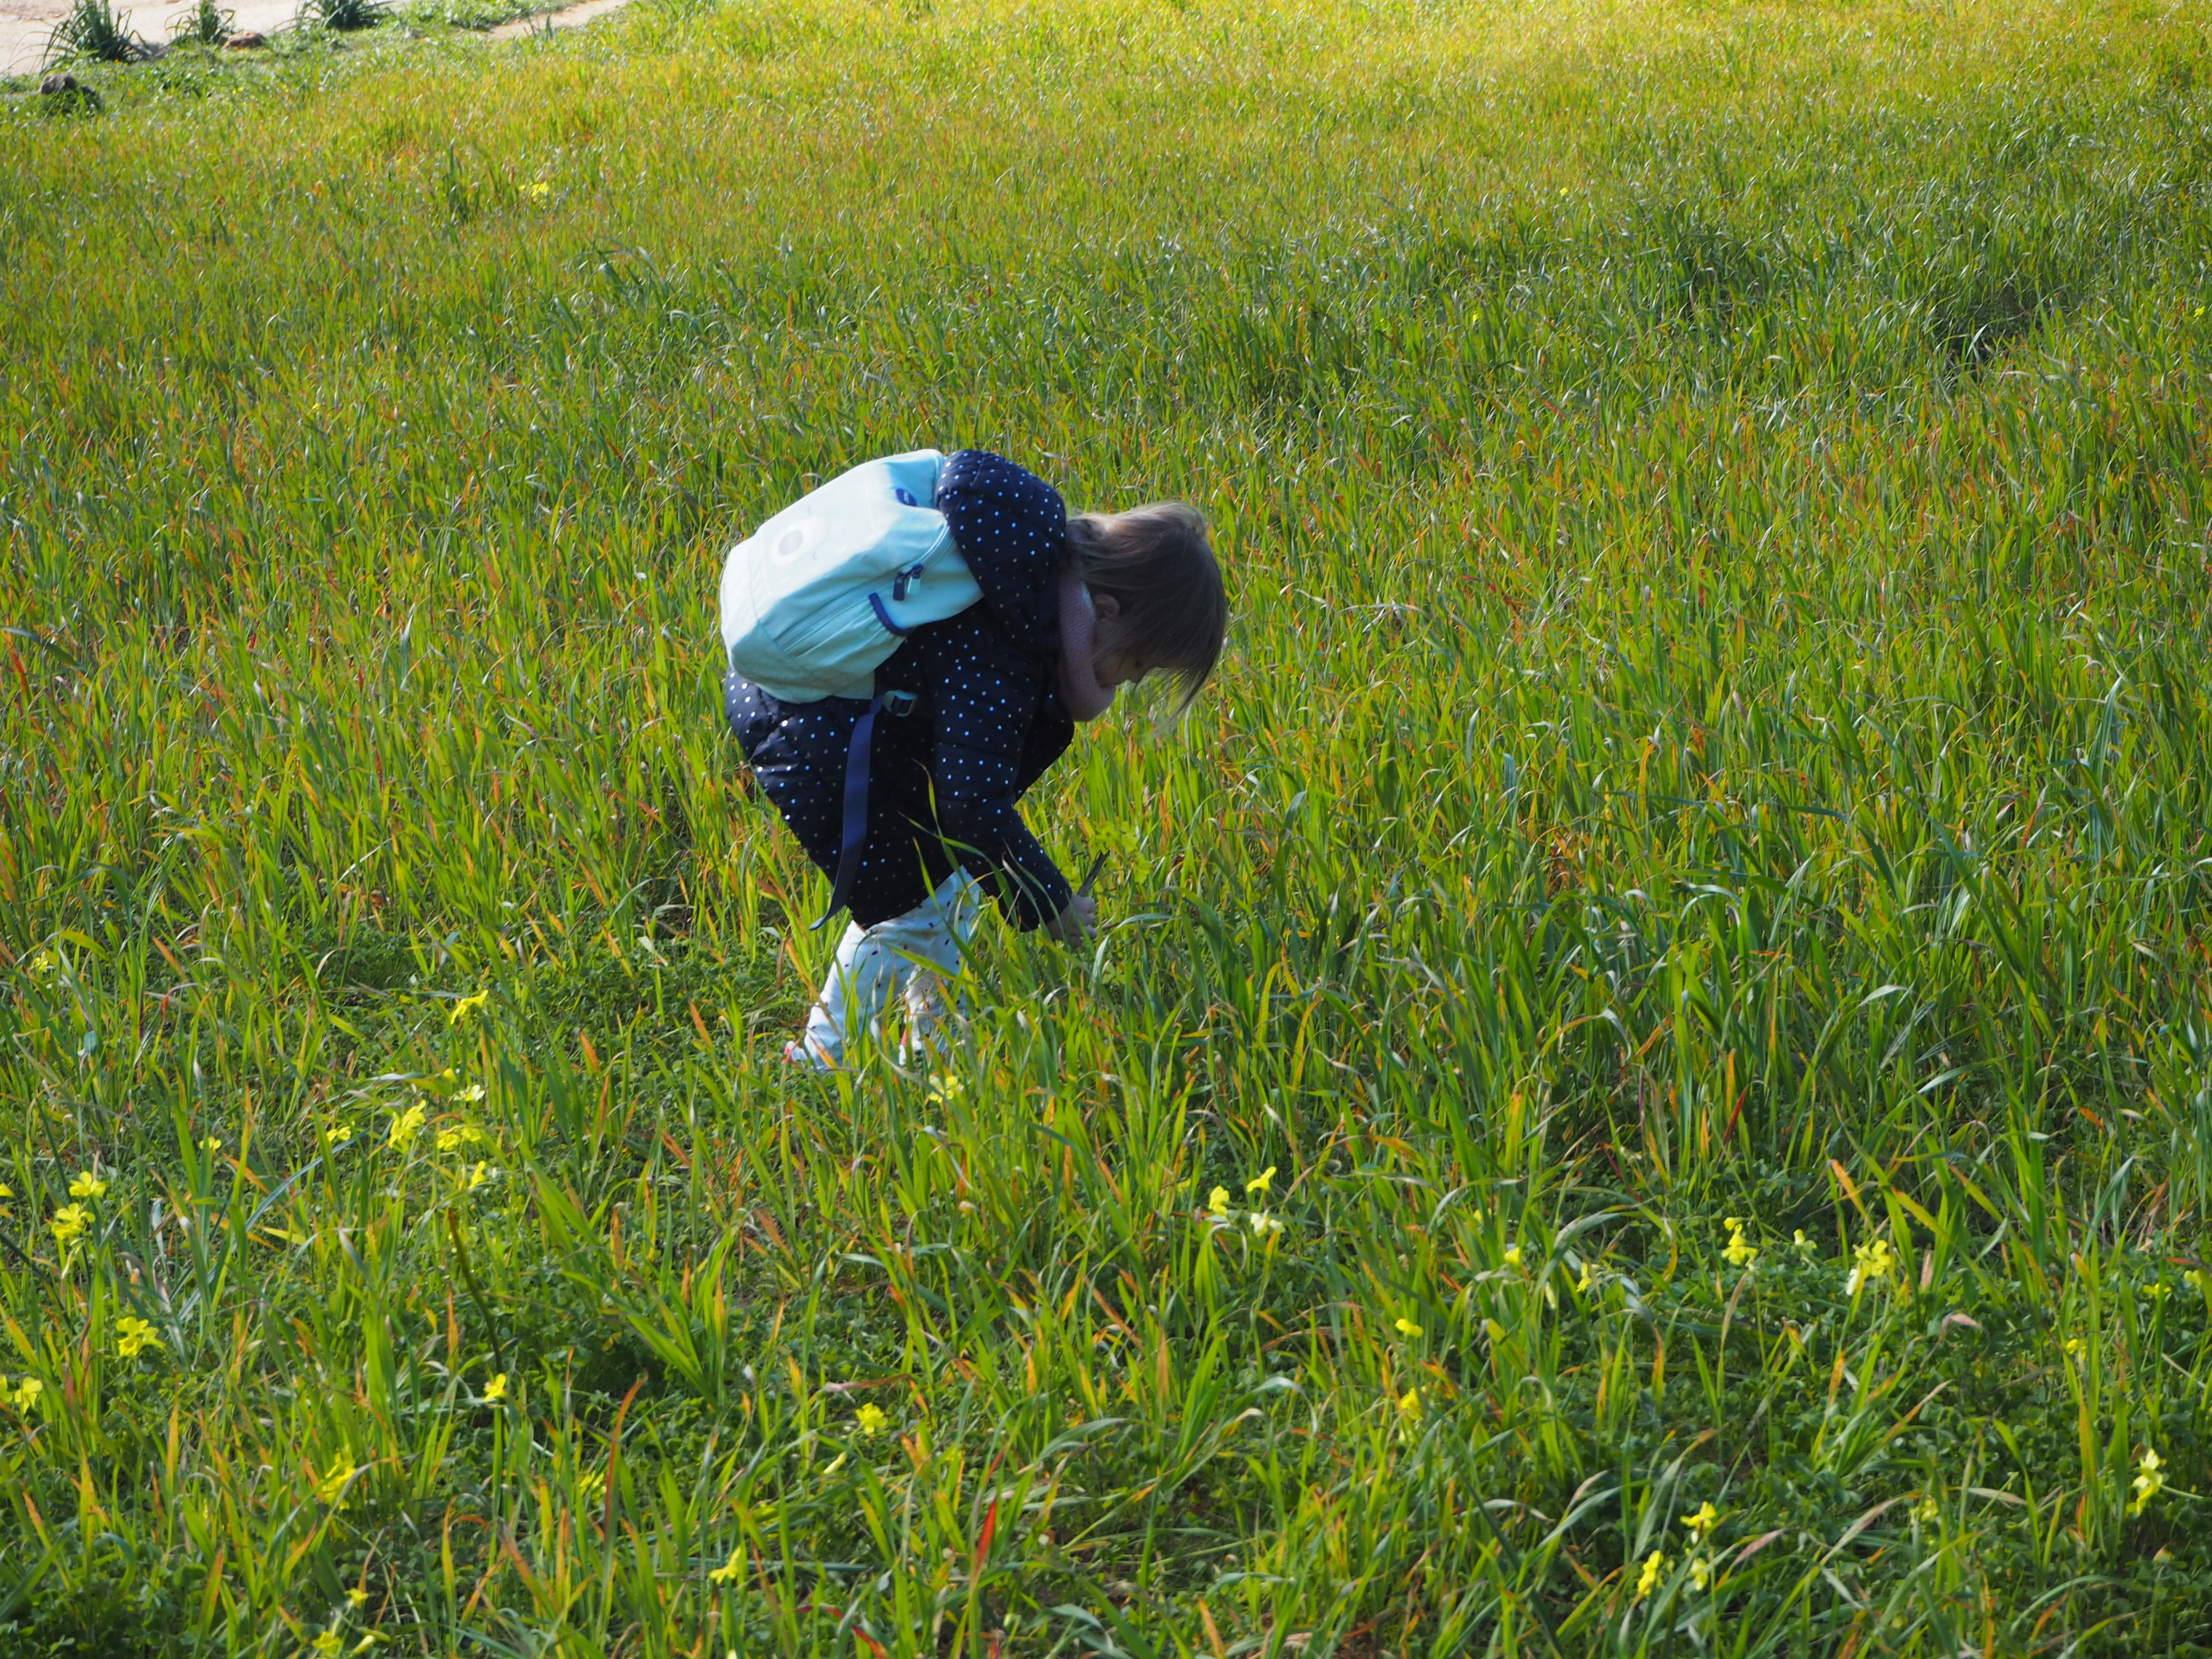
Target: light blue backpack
{"points": [[816, 599]]}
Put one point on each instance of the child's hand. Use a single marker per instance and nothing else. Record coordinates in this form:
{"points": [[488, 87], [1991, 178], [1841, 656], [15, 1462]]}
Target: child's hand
{"points": [[1074, 926]]}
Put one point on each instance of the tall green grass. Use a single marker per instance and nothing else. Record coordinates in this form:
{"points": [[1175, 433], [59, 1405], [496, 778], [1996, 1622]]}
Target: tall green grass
{"points": [[1681, 936]]}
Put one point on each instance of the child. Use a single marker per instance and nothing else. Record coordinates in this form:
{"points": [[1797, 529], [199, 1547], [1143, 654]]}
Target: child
{"points": [[1071, 609]]}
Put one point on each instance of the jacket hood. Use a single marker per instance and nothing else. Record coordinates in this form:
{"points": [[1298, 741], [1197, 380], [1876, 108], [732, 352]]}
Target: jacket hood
{"points": [[1011, 529]]}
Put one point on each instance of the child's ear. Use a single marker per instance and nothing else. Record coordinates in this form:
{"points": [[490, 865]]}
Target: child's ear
{"points": [[1104, 606]]}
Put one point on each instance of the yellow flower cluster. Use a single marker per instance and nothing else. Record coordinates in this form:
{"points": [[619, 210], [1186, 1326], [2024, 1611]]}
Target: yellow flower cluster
{"points": [[406, 1124], [72, 1221], [1217, 1204], [132, 1334], [1654, 1567], [468, 1006], [871, 1419], [25, 1395], [1738, 1254], [2148, 1482], [330, 1485], [1869, 1262]]}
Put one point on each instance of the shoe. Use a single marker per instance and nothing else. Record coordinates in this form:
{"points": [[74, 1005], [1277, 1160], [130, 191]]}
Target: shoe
{"points": [[798, 1055]]}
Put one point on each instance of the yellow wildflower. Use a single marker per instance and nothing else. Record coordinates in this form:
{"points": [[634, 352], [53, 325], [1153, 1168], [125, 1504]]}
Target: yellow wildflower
{"points": [[43, 964], [358, 1596], [1738, 1254], [728, 1571], [1588, 1282], [330, 1485], [473, 1093], [1218, 1201], [327, 1645], [1409, 1403], [1702, 1523], [28, 1392], [133, 1333], [1798, 1242], [539, 189], [496, 1390], [468, 1006], [2074, 1346], [943, 1090], [2148, 1482], [1701, 1571], [406, 1124], [479, 1176], [1512, 1255], [69, 1221], [1926, 1510], [1654, 1564], [1264, 1223], [1408, 1328], [86, 1185], [1869, 1262], [871, 1419], [1261, 1183]]}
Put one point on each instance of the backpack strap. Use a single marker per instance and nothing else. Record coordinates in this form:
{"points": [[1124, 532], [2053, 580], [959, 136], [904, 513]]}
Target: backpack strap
{"points": [[856, 835], [858, 759]]}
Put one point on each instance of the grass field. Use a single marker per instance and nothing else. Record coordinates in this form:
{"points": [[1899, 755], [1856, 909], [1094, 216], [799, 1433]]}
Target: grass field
{"points": [[1682, 936]]}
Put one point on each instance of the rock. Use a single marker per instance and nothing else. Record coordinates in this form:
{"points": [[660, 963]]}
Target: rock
{"points": [[64, 94], [246, 40]]}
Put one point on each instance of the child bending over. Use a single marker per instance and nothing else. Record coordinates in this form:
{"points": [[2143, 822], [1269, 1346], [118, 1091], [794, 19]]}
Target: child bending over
{"points": [[1071, 608]]}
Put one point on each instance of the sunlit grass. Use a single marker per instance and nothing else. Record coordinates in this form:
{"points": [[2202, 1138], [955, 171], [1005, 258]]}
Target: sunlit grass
{"points": [[1652, 1087]]}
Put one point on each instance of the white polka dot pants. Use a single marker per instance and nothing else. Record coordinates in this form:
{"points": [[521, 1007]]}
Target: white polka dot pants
{"points": [[916, 953]]}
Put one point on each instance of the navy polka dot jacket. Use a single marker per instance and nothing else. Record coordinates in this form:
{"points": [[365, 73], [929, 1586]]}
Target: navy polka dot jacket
{"points": [[988, 719]]}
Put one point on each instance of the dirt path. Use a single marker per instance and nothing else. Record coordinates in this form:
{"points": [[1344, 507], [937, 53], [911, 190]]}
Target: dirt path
{"points": [[25, 24], [574, 17]]}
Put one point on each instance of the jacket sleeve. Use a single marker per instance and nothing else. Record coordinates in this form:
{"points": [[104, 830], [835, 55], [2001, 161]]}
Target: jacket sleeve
{"points": [[986, 695]]}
